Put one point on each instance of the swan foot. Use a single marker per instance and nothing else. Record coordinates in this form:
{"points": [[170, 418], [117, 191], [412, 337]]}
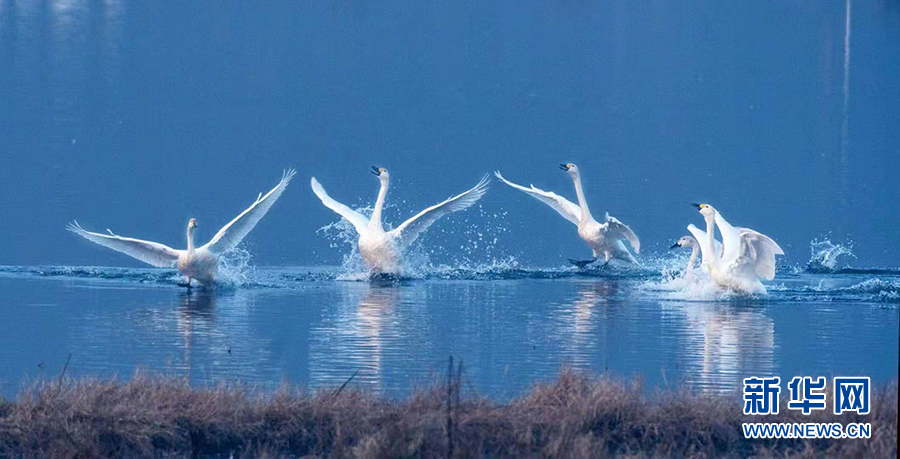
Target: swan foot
{"points": [[582, 263], [186, 283]]}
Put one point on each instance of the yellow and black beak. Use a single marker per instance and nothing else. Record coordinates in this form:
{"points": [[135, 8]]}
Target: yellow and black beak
{"points": [[564, 167], [675, 246], [698, 206], [376, 171]]}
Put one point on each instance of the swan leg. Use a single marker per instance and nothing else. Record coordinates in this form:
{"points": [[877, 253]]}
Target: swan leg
{"points": [[582, 263]]}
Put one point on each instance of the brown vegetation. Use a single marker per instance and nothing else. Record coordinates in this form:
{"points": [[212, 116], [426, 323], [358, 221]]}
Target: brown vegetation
{"points": [[574, 416]]}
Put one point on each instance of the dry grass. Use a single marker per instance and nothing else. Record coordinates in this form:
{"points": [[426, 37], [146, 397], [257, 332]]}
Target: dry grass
{"points": [[575, 416]]}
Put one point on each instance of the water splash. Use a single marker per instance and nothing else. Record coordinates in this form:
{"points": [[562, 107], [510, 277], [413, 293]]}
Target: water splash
{"points": [[139, 275], [828, 289], [824, 255], [674, 282], [841, 287], [480, 232], [678, 285], [235, 269], [472, 237]]}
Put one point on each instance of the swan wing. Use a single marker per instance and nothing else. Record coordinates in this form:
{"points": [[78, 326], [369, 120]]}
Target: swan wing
{"points": [[153, 253], [757, 254], [234, 232], [409, 230], [617, 228], [358, 220], [731, 239], [568, 209]]}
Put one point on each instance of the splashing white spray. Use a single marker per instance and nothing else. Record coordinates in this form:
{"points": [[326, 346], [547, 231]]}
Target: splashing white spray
{"points": [[824, 255], [478, 251], [235, 269]]}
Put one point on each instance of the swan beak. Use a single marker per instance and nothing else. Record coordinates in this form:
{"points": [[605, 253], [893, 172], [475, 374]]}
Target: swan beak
{"points": [[696, 205], [564, 167], [674, 246], [375, 171]]}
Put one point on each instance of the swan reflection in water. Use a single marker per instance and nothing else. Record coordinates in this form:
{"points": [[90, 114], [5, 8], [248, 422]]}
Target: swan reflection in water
{"points": [[195, 309], [713, 346], [371, 328], [220, 341], [720, 344], [358, 334], [586, 320]]}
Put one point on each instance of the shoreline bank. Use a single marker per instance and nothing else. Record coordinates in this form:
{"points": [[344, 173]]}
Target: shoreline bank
{"points": [[574, 416]]}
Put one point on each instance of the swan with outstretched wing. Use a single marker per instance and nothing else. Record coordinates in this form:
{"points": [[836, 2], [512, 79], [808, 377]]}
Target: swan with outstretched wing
{"points": [[746, 255], [605, 239], [382, 250], [200, 263]]}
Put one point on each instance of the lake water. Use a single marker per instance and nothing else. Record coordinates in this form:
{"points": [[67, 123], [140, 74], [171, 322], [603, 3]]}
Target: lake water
{"points": [[510, 326]]}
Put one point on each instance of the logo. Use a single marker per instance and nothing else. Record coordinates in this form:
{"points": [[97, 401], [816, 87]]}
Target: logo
{"points": [[807, 394]]}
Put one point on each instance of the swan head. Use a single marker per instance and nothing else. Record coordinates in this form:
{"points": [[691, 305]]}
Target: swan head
{"points": [[685, 241], [706, 210], [381, 173], [570, 168], [193, 224]]}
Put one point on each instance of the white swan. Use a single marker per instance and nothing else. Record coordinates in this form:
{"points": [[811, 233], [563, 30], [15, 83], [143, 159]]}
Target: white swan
{"points": [[688, 242], [691, 242], [746, 254], [195, 263], [382, 250], [606, 239]]}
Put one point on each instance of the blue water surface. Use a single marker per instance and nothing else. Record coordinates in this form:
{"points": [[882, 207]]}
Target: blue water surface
{"points": [[510, 327]]}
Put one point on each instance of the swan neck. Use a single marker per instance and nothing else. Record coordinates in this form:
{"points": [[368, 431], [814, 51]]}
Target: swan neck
{"points": [[711, 238], [695, 250], [190, 240], [375, 223], [582, 202]]}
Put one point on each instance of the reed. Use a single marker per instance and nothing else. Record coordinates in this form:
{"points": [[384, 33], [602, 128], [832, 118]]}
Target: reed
{"points": [[574, 416]]}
